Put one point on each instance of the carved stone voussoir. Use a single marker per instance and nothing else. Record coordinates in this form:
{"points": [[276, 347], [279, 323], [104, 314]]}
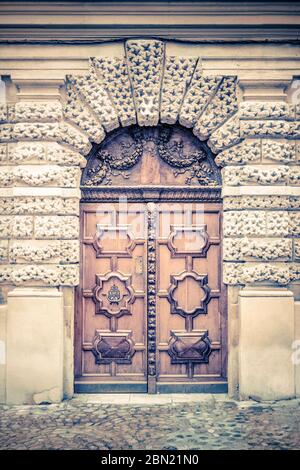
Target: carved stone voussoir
{"points": [[227, 135], [71, 136], [114, 75], [145, 65], [199, 93], [178, 73], [91, 89], [219, 110], [75, 111], [56, 153]]}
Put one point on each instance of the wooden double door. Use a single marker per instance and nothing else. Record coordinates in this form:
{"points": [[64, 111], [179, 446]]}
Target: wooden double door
{"points": [[151, 307]]}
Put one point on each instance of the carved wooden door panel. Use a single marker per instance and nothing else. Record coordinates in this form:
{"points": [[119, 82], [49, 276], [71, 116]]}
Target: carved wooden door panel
{"points": [[151, 306], [111, 325], [190, 307]]}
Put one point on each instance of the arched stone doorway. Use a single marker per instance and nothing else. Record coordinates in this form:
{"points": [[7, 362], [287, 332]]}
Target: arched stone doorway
{"points": [[45, 139], [151, 304]]}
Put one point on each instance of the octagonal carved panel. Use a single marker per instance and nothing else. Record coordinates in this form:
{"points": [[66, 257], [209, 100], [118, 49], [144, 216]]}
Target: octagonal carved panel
{"points": [[113, 294], [188, 280]]}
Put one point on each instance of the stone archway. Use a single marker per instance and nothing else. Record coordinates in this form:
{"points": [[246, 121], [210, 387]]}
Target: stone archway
{"points": [[44, 144]]}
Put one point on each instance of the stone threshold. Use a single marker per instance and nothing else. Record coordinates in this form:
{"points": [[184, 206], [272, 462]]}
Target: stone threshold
{"points": [[144, 398], [172, 398]]}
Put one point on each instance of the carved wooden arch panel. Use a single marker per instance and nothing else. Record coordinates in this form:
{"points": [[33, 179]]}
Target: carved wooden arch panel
{"points": [[161, 155]]}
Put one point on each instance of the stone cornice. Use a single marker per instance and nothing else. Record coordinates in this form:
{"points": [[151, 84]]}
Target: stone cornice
{"points": [[194, 21]]}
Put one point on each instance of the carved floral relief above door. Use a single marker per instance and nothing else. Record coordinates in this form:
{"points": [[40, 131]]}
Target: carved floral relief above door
{"points": [[162, 155]]}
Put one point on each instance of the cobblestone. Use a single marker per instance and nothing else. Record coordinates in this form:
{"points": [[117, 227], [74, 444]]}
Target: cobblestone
{"points": [[146, 422]]}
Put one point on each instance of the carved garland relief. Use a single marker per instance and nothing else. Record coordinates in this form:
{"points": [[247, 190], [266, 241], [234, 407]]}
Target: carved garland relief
{"points": [[183, 153]]}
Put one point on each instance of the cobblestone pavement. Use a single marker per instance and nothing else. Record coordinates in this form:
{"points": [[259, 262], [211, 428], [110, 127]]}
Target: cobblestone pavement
{"points": [[152, 422]]}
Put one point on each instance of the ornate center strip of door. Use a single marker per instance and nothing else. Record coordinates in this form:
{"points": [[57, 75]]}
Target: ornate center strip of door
{"points": [[151, 300]]}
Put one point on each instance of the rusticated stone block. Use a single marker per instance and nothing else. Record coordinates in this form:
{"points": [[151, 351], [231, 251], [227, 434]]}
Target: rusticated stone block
{"points": [[264, 249], [280, 150], [247, 151], [26, 111], [19, 226], [56, 227]]}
